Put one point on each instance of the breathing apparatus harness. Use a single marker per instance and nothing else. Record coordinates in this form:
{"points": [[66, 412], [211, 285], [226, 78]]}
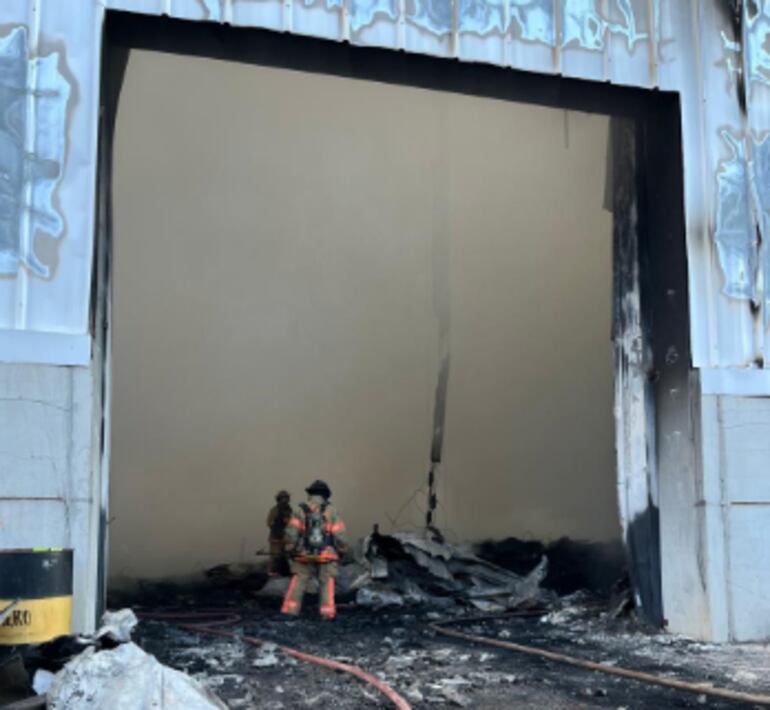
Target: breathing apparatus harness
{"points": [[316, 538]]}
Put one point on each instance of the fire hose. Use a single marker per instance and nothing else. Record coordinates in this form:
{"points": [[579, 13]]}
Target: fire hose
{"points": [[722, 693], [203, 622]]}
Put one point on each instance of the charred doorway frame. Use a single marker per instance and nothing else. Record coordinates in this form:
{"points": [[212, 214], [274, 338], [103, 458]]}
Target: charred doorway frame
{"points": [[655, 398]]}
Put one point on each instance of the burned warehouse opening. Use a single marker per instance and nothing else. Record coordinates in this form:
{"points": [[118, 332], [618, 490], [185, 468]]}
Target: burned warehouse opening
{"points": [[351, 376], [380, 334]]}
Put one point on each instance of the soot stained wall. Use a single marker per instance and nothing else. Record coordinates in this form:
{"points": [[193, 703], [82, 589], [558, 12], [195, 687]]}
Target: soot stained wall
{"points": [[288, 248]]}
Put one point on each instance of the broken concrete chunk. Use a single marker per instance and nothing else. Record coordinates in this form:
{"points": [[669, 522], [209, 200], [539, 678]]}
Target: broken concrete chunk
{"points": [[400, 662], [265, 661], [449, 688], [324, 698], [118, 625], [126, 678], [414, 694], [266, 657], [376, 596], [453, 696]]}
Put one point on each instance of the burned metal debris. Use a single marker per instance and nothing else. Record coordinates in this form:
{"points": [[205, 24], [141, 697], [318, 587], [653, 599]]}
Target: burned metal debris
{"points": [[410, 568]]}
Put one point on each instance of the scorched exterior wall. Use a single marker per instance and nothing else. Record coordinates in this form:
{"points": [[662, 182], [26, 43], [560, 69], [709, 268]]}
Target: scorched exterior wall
{"points": [[713, 53]]}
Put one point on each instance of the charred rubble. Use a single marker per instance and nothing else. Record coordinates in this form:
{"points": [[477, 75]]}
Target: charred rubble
{"points": [[566, 596]]}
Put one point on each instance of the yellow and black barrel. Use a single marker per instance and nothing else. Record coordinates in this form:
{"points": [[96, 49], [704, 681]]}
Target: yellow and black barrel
{"points": [[35, 595]]}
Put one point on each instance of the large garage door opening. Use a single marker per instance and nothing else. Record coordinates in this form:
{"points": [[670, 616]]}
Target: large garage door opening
{"points": [[297, 255]]}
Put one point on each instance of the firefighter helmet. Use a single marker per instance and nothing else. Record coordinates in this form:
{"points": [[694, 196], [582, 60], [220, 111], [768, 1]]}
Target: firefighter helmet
{"points": [[319, 488]]}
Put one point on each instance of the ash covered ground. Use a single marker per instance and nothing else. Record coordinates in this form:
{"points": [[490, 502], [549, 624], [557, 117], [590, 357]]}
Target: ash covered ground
{"points": [[430, 670]]}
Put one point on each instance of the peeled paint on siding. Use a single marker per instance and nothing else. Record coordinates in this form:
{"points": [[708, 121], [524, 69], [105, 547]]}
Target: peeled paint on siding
{"points": [[757, 50], [742, 205], [759, 170], [758, 74], [617, 40], [32, 91], [758, 42], [435, 16], [364, 12], [481, 16], [582, 21], [734, 235], [533, 21]]}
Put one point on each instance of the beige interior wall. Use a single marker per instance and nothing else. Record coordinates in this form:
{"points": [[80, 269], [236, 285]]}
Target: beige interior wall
{"points": [[287, 246]]}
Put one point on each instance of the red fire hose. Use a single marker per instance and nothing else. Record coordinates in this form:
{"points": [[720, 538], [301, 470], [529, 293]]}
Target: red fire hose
{"points": [[203, 622]]}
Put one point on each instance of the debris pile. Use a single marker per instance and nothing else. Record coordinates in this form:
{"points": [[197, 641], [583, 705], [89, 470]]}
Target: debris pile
{"points": [[573, 564], [106, 670], [410, 568], [125, 677]]}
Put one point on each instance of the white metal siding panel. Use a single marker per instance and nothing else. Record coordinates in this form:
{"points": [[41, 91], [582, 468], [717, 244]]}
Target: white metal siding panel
{"points": [[756, 73], [736, 504], [746, 446], [19, 149], [429, 27], [713, 554], [269, 14], [61, 304], [147, 7], [679, 66], [488, 49], [749, 572], [380, 29], [583, 35], [632, 52], [535, 39], [60, 57], [187, 9], [740, 382], [321, 18], [729, 268]]}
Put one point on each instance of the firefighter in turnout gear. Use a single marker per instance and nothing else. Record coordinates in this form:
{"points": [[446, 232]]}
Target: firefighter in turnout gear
{"points": [[314, 538], [277, 519]]}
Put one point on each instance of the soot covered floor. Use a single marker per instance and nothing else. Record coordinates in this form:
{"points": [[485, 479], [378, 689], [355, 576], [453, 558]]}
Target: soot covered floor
{"points": [[430, 670]]}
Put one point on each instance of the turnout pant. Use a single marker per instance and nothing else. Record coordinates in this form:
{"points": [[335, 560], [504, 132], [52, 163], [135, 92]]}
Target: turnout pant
{"points": [[277, 565], [301, 573]]}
